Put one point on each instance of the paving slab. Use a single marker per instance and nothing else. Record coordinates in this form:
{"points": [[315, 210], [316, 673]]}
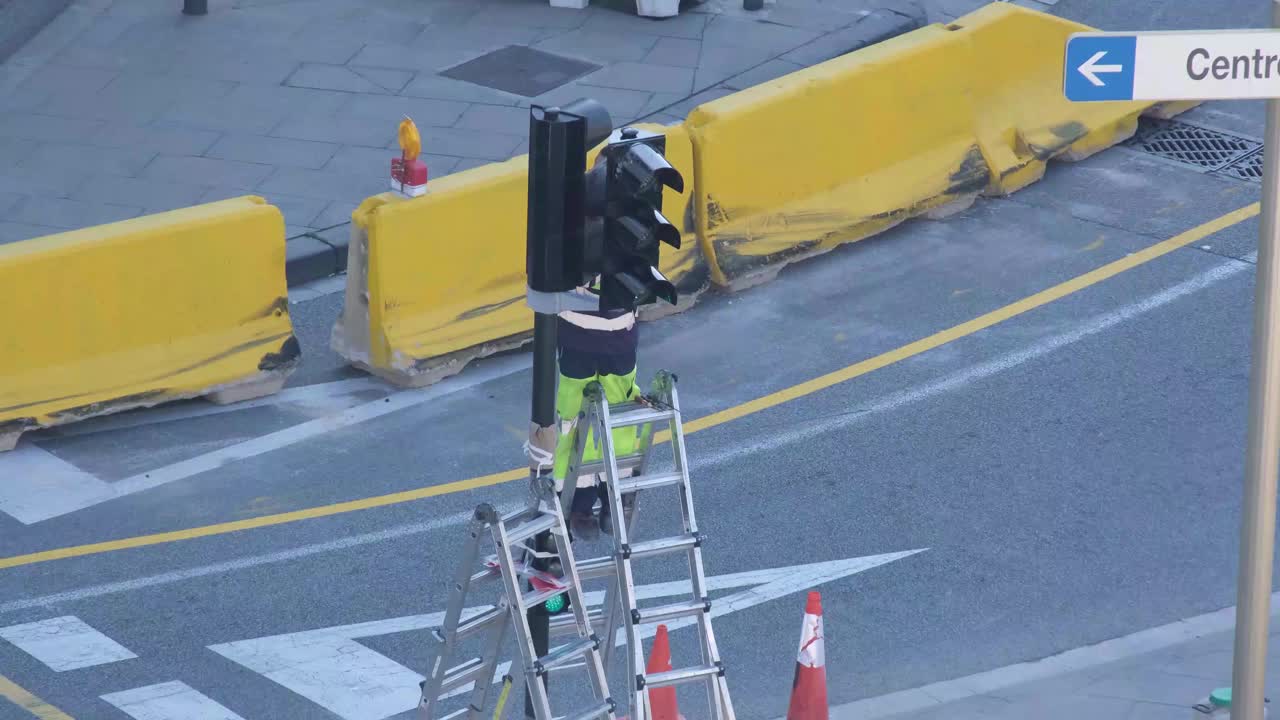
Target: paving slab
{"points": [[124, 107]]}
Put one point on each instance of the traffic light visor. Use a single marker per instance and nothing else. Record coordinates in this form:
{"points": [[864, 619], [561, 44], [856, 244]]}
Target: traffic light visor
{"points": [[641, 166]]}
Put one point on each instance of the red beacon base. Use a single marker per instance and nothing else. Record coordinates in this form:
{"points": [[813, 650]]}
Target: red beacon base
{"points": [[408, 178]]}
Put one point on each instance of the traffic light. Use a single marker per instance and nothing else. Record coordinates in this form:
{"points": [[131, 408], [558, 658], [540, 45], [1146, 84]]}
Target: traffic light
{"points": [[606, 222], [556, 605], [631, 177], [558, 142]]}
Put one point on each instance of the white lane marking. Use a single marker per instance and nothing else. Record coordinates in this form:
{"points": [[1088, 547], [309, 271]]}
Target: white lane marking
{"points": [[317, 399], [40, 486], [44, 495], [980, 371], [168, 701], [932, 697], [329, 667], [65, 643], [36, 485], [315, 428], [244, 563]]}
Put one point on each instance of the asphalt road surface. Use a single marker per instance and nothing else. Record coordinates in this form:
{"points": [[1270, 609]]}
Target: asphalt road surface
{"points": [[1064, 470]]}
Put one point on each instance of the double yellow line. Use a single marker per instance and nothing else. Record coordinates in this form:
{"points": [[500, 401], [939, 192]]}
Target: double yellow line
{"points": [[850, 372]]}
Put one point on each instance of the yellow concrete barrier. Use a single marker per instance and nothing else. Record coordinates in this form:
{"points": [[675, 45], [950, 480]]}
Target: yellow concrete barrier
{"points": [[437, 281], [835, 153], [132, 314], [1023, 118]]}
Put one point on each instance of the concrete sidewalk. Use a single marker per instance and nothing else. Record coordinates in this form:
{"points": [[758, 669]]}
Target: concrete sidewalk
{"points": [[1156, 674], [126, 107]]}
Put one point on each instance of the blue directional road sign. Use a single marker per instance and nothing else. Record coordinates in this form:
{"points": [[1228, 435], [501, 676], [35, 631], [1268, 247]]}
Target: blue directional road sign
{"points": [[1158, 66], [1100, 67]]}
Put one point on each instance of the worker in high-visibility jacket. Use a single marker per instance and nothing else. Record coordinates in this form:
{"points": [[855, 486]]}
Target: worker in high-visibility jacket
{"points": [[593, 346]]}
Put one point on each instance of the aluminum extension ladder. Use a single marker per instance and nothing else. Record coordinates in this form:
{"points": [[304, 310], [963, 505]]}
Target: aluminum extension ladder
{"points": [[512, 537], [660, 405]]}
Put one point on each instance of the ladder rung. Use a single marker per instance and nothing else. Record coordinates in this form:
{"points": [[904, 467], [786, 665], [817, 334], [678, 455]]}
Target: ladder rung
{"points": [[681, 675], [662, 546], [568, 622], [486, 574], [529, 528], [670, 612], [564, 655], [537, 597], [473, 624], [625, 462], [599, 711], [648, 482], [462, 674], [629, 415], [597, 567]]}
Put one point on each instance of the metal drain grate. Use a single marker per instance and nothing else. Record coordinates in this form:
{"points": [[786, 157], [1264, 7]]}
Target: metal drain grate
{"points": [[1205, 149], [1248, 167], [521, 70], [1192, 145]]}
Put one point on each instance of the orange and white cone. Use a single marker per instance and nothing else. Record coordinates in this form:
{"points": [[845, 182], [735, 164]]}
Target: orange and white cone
{"points": [[662, 701], [809, 687]]}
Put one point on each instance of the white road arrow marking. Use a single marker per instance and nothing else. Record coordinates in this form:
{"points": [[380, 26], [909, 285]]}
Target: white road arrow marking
{"points": [[174, 700], [65, 643], [330, 668], [1090, 68]]}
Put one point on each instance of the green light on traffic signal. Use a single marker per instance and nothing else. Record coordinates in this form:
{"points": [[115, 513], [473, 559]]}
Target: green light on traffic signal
{"points": [[555, 605]]}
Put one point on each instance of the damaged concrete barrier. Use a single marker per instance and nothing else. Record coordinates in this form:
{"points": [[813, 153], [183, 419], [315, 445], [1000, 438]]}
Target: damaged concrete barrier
{"points": [[437, 281], [834, 153], [175, 305], [1023, 118]]}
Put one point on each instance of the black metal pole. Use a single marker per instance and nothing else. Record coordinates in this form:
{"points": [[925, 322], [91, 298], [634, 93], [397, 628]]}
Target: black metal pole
{"points": [[543, 415], [195, 7], [544, 369]]}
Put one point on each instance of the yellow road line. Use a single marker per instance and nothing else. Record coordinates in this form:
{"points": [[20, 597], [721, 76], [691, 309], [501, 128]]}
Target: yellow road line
{"points": [[16, 694], [982, 322], [265, 520]]}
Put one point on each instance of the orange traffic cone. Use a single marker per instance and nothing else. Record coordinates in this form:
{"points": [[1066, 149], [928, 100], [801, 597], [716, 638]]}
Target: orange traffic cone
{"points": [[662, 701], [809, 687]]}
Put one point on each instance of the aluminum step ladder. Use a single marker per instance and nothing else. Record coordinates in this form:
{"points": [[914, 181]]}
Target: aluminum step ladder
{"points": [[660, 406], [513, 538]]}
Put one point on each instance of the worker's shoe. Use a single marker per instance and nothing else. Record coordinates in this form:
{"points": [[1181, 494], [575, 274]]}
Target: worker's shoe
{"points": [[606, 517], [584, 526]]}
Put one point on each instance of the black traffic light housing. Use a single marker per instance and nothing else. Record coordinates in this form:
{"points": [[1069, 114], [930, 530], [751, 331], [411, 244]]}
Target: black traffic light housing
{"points": [[626, 188], [607, 222], [558, 142]]}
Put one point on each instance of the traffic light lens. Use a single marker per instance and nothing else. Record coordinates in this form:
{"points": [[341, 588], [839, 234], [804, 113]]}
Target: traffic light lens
{"points": [[555, 604]]}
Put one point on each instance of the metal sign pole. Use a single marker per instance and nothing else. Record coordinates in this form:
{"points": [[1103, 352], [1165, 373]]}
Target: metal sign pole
{"points": [[1258, 506]]}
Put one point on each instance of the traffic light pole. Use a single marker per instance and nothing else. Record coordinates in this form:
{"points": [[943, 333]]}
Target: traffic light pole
{"points": [[543, 415], [555, 253]]}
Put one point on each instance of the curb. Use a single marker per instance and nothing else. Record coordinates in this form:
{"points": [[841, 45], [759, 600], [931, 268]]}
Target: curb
{"points": [[323, 253], [22, 20], [316, 255]]}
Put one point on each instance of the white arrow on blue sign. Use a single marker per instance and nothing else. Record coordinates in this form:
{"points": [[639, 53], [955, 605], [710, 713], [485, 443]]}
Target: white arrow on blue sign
{"points": [[1157, 66]]}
